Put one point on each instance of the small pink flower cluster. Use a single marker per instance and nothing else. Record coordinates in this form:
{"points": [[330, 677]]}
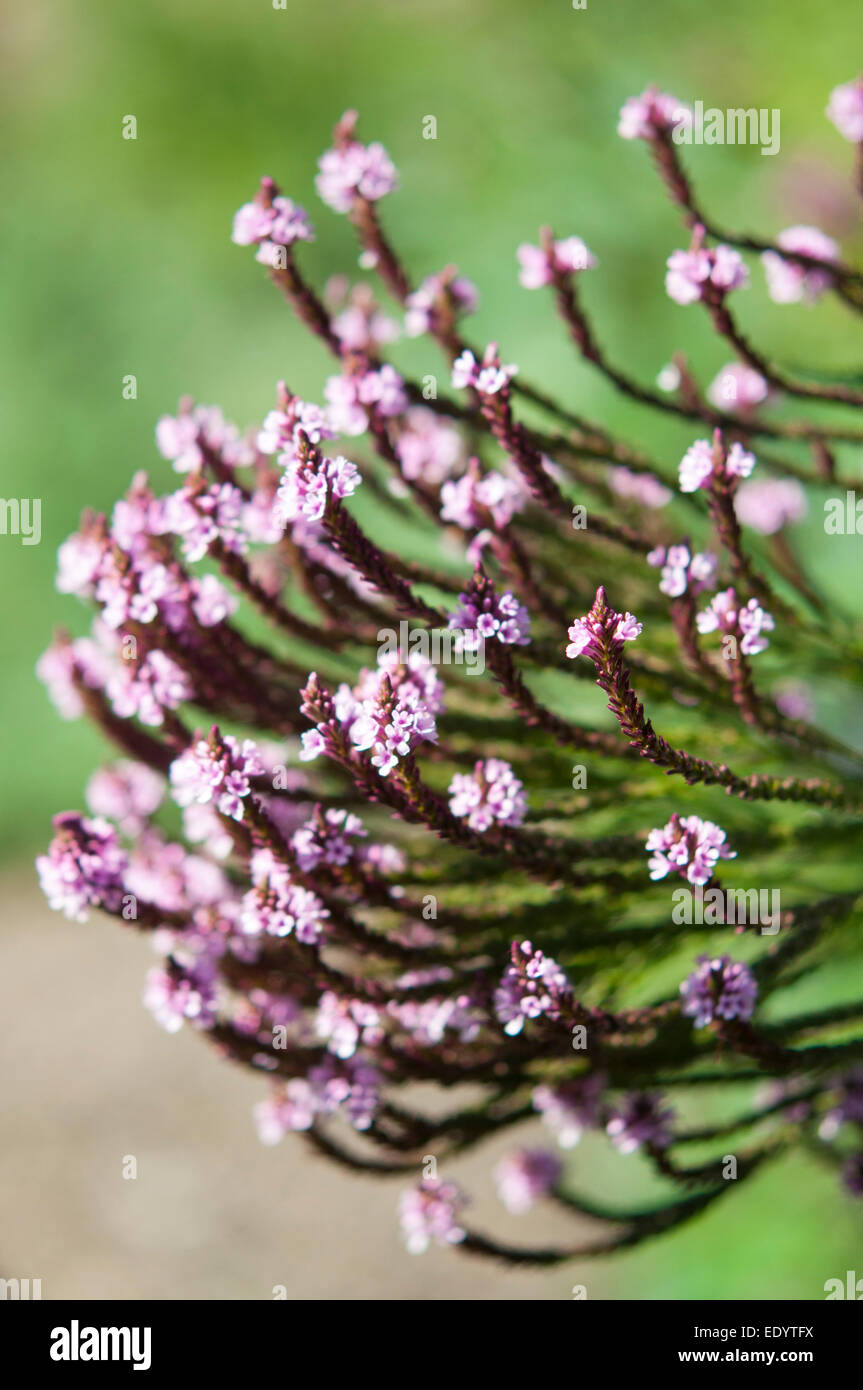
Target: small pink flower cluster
{"points": [[487, 377], [470, 500], [388, 714], [217, 769], [492, 794], [485, 616], [703, 462], [681, 570], [719, 988], [688, 846], [748, 621], [354, 397], [352, 171], [420, 307], [270, 222], [788, 282], [691, 273], [539, 264], [586, 635], [533, 985], [431, 1211], [643, 117]]}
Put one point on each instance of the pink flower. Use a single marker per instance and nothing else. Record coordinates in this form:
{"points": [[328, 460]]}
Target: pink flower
{"points": [[538, 265], [749, 623], [470, 500], [769, 504], [277, 907], [703, 461], [353, 170], [641, 1118], [345, 1024], [84, 867], [719, 988], [269, 225], [485, 616], [487, 379], [586, 634], [691, 272], [681, 570], [788, 282], [524, 1176], [688, 846], [218, 770], [432, 1211], [351, 1086], [428, 448], [126, 792], [279, 434], [182, 438], [737, 387], [845, 110], [211, 601], [174, 997], [533, 985], [654, 111], [361, 326], [570, 1108], [460, 293], [78, 563], [202, 516], [306, 488], [491, 794], [146, 689], [353, 399], [639, 487]]}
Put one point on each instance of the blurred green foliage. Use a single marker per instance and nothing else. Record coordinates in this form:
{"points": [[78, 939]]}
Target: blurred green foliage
{"points": [[117, 260]]}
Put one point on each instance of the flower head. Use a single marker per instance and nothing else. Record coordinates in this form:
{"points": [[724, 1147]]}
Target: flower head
{"points": [[570, 1108], [688, 846], [702, 271], [705, 463], [654, 112], [486, 616], [84, 866], [768, 504], [533, 985], [526, 1175], [487, 377], [719, 988], [453, 294], [601, 627], [216, 769], [431, 1211], [789, 282], [491, 794], [845, 110], [681, 570], [747, 622], [642, 1118], [540, 264], [269, 222], [737, 387], [351, 170]]}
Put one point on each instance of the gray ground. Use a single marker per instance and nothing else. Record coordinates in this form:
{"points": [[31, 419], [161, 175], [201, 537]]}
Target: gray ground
{"points": [[89, 1078]]}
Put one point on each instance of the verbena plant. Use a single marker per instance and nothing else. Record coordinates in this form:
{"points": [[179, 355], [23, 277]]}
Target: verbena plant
{"points": [[405, 877]]}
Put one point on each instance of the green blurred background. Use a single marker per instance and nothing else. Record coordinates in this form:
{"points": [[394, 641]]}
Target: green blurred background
{"points": [[117, 259]]}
